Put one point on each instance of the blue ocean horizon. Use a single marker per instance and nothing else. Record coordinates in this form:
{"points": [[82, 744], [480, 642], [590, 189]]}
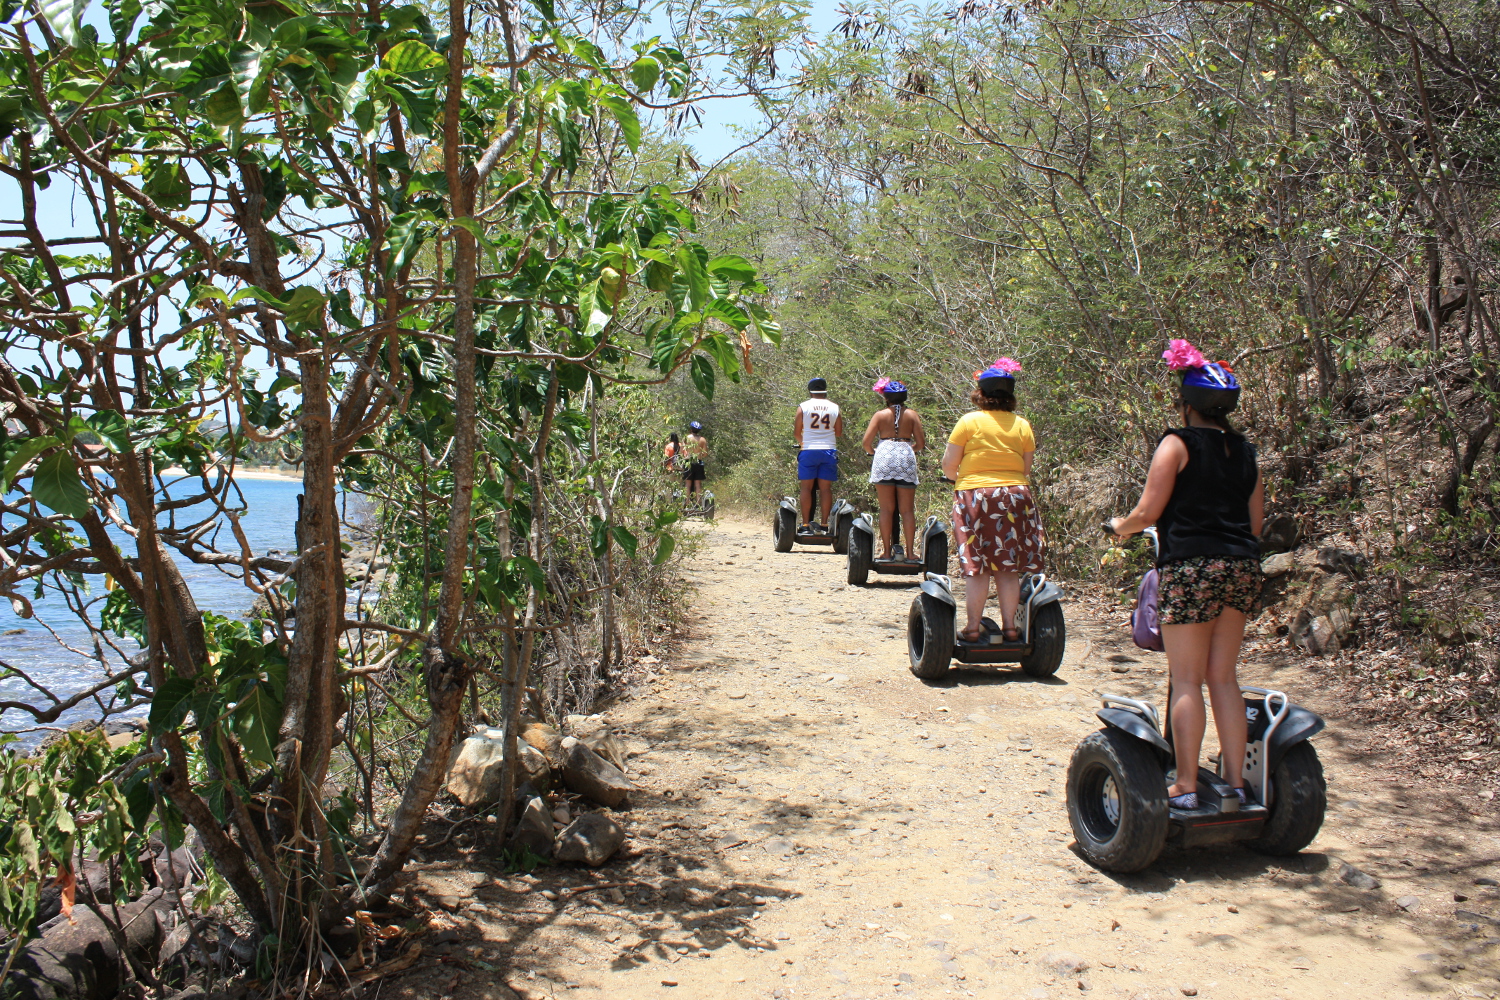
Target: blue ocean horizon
{"points": [[40, 645]]}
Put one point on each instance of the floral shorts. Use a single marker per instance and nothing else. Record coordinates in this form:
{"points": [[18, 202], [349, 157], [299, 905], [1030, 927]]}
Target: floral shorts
{"points": [[998, 530], [1196, 590]]}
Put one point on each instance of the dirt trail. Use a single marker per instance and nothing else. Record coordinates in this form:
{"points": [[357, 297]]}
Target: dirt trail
{"points": [[816, 822]]}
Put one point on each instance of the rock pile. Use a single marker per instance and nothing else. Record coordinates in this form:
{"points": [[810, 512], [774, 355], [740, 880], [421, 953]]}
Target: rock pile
{"points": [[589, 765], [1318, 594]]}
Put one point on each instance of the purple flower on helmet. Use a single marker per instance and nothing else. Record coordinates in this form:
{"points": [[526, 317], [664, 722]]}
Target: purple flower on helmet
{"points": [[1182, 356]]}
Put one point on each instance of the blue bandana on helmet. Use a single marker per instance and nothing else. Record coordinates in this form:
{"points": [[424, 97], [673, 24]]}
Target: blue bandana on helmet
{"points": [[893, 387], [995, 380], [1211, 376]]}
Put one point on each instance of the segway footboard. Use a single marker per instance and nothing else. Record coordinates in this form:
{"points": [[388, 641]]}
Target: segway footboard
{"points": [[1219, 817]]}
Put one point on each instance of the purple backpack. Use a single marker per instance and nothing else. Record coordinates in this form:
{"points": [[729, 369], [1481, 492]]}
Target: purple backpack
{"points": [[1145, 626]]}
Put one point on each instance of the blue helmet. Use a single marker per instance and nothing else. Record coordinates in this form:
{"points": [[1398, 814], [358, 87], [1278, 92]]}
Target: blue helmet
{"points": [[1212, 390], [695, 426]]}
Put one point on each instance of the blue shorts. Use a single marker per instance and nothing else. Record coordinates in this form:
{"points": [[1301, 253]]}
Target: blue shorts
{"points": [[817, 463]]}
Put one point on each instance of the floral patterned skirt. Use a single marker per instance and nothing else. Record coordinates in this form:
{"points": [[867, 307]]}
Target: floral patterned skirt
{"points": [[1198, 589], [998, 529]]}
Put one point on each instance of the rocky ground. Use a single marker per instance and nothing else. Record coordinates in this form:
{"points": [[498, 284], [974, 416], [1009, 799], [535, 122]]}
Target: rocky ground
{"points": [[812, 821]]}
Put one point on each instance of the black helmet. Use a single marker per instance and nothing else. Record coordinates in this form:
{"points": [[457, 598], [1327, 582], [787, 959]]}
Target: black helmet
{"points": [[817, 385]]}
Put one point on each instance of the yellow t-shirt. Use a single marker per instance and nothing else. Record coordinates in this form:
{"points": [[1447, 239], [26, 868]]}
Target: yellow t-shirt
{"points": [[994, 443]]}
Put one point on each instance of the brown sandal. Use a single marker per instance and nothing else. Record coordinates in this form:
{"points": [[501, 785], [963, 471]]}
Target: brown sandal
{"points": [[1011, 634], [966, 636]]}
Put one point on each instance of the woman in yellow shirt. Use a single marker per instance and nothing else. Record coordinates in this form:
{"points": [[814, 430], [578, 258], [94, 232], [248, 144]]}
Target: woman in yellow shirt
{"points": [[995, 521]]}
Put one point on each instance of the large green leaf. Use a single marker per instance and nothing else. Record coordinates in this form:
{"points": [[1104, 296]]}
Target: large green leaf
{"points": [[411, 56], [732, 265], [63, 16], [223, 107], [170, 704], [624, 539], [664, 546], [56, 484], [25, 451], [404, 238], [624, 113], [696, 277], [644, 73], [304, 307], [703, 375]]}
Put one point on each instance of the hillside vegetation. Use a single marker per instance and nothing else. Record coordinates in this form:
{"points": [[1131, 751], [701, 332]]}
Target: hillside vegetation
{"points": [[1305, 191]]}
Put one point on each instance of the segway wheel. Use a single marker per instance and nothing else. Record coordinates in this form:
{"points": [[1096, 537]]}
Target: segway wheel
{"points": [[1117, 801], [1048, 640], [841, 532], [861, 549], [929, 637], [1299, 800], [708, 509], [935, 555], [784, 531]]}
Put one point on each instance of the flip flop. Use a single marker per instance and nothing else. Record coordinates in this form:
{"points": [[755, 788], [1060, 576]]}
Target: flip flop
{"points": [[1187, 800]]}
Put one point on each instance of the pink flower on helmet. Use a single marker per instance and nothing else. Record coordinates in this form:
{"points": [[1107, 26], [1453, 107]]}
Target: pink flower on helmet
{"points": [[1181, 356], [879, 386], [1009, 366]]}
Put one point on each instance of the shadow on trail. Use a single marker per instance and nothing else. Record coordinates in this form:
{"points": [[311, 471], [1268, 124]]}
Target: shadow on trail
{"points": [[970, 676]]}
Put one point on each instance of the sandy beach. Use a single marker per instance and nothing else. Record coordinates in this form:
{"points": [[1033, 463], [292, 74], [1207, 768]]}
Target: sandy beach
{"points": [[241, 472]]}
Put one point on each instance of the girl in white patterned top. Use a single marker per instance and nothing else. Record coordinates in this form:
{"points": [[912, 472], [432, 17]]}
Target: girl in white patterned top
{"points": [[894, 437]]}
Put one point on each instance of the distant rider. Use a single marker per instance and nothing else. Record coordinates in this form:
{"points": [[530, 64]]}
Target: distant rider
{"points": [[817, 430], [1204, 494], [696, 447], [893, 439]]}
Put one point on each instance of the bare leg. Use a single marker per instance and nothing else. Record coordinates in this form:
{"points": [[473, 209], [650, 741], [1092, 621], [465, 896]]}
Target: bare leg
{"points": [[1008, 587], [825, 487], [976, 593], [887, 496], [908, 501], [1187, 661], [806, 486], [1224, 692]]}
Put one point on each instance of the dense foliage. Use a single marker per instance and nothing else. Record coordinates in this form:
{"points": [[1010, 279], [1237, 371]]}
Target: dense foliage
{"points": [[1304, 190], [411, 255]]}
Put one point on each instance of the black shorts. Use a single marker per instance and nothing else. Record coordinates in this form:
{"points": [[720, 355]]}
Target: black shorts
{"points": [[900, 483], [695, 473]]}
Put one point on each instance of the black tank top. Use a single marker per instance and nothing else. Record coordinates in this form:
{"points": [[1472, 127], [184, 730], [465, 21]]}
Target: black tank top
{"points": [[1209, 513]]}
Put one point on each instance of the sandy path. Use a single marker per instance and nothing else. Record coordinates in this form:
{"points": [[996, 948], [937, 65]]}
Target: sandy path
{"points": [[816, 822]]}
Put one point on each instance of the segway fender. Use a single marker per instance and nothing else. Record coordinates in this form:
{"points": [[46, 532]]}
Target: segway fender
{"points": [[1129, 722], [1050, 592], [937, 590], [789, 503], [840, 506], [934, 527], [1299, 725], [862, 523]]}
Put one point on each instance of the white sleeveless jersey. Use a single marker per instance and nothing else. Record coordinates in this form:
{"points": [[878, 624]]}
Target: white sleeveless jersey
{"points": [[818, 419]]}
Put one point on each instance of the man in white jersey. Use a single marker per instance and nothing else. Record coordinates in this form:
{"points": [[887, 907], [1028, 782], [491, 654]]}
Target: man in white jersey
{"points": [[817, 430]]}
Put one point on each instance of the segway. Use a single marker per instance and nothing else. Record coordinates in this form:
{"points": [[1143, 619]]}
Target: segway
{"points": [[704, 508], [784, 528], [862, 540], [932, 639], [1118, 778]]}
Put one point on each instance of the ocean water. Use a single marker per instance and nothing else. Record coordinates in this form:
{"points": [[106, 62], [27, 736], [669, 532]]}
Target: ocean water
{"points": [[44, 654]]}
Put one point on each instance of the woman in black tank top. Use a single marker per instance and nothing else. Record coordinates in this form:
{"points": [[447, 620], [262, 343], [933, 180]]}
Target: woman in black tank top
{"points": [[1204, 495]]}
